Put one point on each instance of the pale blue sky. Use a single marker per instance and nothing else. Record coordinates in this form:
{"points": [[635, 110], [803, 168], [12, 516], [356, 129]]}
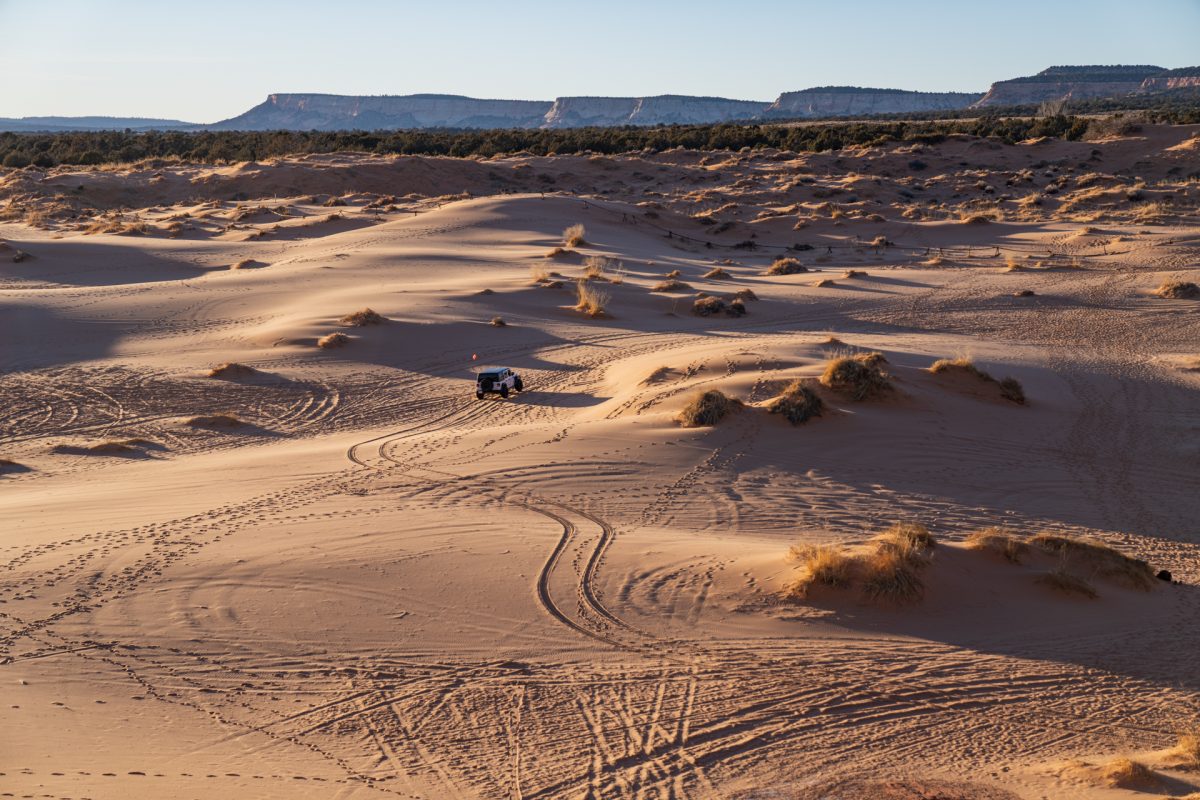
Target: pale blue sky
{"points": [[211, 59]]}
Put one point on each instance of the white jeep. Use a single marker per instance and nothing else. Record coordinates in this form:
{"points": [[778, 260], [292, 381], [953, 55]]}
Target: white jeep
{"points": [[500, 380]]}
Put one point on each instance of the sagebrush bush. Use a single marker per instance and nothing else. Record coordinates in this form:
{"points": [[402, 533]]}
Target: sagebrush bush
{"points": [[707, 408], [859, 377], [797, 403]]}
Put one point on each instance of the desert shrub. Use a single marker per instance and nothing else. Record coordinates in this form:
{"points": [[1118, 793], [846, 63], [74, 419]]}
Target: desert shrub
{"points": [[1125, 773], [1099, 558], [674, 274], [333, 340], [976, 219], [590, 299], [825, 283], [362, 318], [602, 268], [334, 202], [498, 322], [1186, 752], [213, 421], [1062, 581], [245, 263], [232, 369], [1178, 290], [717, 274], [707, 408], [822, 565], [1011, 390], [889, 577], [797, 403], [561, 252], [786, 265], [573, 236], [1024, 293], [859, 376], [744, 295], [671, 285], [539, 274], [999, 542], [960, 365], [854, 273]]}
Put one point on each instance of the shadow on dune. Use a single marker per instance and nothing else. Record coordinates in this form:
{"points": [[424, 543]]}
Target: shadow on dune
{"points": [[90, 261], [534, 397], [35, 337]]}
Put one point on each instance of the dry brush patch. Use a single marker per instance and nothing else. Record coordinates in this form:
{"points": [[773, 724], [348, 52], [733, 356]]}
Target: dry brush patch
{"points": [[999, 542], [707, 408], [590, 299], [1097, 558], [786, 265], [362, 318], [717, 274], [797, 403], [860, 376], [707, 305], [573, 236], [1125, 773], [886, 570], [1010, 388], [671, 285], [1178, 290], [231, 370], [334, 340]]}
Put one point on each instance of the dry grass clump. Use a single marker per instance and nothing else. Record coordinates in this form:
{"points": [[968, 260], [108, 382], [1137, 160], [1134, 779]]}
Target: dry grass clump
{"points": [[936, 261], [362, 318], [1024, 293], [602, 268], [498, 322], [573, 236], [1062, 581], [1178, 290], [1012, 391], [859, 376], [591, 300], [1000, 542], [887, 570], [976, 219], [1010, 388], [744, 295], [717, 274], [331, 341], [232, 369], [1125, 773], [561, 252], [797, 403], [1099, 559], [825, 282], [671, 285], [823, 565], [707, 408], [107, 448], [711, 305], [786, 265], [245, 263], [854, 273], [1186, 752], [214, 421], [674, 274]]}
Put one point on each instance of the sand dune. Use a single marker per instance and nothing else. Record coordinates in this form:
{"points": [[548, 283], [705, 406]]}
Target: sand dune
{"points": [[330, 571]]}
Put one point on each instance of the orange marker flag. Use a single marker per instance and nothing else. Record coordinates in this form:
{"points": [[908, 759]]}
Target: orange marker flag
{"points": [[474, 356]]}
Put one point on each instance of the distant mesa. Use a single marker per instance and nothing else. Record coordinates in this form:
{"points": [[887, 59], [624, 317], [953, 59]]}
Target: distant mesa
{"points": [[350, 112], [666, 109], [1069, 83], [333, 112], [847, 101]]}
